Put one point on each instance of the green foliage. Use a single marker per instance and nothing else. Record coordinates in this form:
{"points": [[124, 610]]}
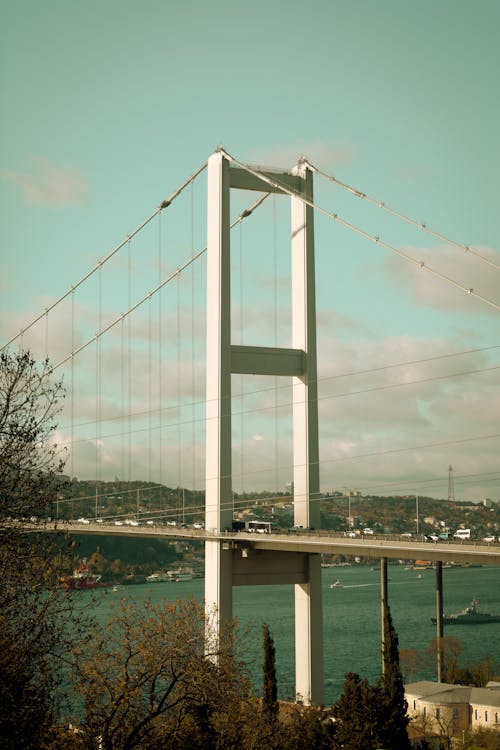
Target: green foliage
{"points": [[375, 717], [393, 706], [357, 714], [34, 615], [306, 727], [270, 706], [120, 555], [30, 462], [454, 671], [147, 680]]}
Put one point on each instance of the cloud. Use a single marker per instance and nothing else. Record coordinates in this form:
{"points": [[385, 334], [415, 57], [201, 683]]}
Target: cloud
{"points": [[49, 184], [461, 267], [390, 418]]}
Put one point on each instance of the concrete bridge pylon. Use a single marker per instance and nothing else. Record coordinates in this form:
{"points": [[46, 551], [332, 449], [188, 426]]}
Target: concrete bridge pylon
{"points": [[227, 565]]}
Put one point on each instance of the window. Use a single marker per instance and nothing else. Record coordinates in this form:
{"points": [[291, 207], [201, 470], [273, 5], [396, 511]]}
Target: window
{"points": [[486, 716], [414, 705], [475, 714], [456, 714], [437, 713]]}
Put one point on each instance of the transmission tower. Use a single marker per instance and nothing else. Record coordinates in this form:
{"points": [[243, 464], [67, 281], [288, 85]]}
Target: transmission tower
{"points": [[451, 488]]}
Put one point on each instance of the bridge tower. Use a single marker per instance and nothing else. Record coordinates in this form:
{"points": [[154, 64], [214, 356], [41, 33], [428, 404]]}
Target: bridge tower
{"points": [[229, 565]]}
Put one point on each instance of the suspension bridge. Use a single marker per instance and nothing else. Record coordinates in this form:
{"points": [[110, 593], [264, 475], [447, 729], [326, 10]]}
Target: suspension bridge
{"points": [[194, 363]]}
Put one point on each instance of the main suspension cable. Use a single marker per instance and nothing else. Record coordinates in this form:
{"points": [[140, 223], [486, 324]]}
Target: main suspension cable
{"points": [[243, 215], [400, 215], [99, 264], [348, 225]]}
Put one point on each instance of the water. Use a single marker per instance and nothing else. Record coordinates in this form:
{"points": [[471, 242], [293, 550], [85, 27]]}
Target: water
{"points": [[351, 617]]}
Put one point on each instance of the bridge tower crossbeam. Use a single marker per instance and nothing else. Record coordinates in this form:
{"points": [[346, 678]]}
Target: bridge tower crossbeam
{"points": [[226, 566]]}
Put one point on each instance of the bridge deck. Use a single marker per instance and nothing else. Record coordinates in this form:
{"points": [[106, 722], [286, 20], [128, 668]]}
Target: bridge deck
{"points": [[320, 542]]}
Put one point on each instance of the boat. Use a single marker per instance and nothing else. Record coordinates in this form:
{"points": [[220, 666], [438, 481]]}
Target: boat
{"points": [[469, 616], [180, 574], [83, 579], [158, 578], [422, 565], [171, 576], [336, 585]]}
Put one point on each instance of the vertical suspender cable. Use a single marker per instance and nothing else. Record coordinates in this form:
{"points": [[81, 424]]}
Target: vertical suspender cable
{"points": [[178, 380], [129, 355], [242, 419], [275, 342], [99, 390], [96, 470], [46, 333], [160, 354], [149, 392], [123, 397], [72, 459], [193, 352]]}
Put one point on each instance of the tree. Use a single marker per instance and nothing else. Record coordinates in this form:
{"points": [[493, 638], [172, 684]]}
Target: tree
{"points": [[31, 462], [306, 727], [33, 635], [372, 717], [410, 661], [147, 681], [393, 706], [357, 714], [451, 650], [270, 704]]}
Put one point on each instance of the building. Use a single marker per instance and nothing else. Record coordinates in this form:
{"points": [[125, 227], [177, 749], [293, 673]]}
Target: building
{"points": [[453, 708]]}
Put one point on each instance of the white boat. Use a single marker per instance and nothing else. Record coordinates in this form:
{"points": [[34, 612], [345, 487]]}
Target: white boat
{"points": [[180, 574], [158, 578], [336, 585]]}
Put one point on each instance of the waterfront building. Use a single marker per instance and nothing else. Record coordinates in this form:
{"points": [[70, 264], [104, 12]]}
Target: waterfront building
{"points": [[439, 706]]}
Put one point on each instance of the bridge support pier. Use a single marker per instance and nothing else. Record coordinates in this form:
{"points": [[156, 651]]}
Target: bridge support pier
{"points": [[298, 363], [384, 601], [309, 636], [439, 619]]}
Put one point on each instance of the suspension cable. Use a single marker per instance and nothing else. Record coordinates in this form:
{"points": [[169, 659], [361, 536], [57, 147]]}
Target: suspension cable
{"points": [[399, 215], [244, 214], [348, 225], [164, 204]]}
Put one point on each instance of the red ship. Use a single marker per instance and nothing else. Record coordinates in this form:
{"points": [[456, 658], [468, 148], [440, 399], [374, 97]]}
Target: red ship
{"points": [[83, 579]]}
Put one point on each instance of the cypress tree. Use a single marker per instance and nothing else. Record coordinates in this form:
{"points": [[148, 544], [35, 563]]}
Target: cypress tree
{"points": [[393, 706], [270, 705], [357, 714]]}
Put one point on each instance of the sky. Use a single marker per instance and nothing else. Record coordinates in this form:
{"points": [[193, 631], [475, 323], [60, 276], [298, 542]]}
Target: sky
{"points": [[108, 107]]}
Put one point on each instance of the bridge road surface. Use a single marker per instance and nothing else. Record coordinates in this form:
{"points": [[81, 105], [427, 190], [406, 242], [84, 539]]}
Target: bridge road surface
{"points": [[390, 546]]}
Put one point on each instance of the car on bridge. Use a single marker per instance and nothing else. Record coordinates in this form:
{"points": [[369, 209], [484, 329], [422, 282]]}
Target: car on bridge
{"points": [[431, 538]]}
